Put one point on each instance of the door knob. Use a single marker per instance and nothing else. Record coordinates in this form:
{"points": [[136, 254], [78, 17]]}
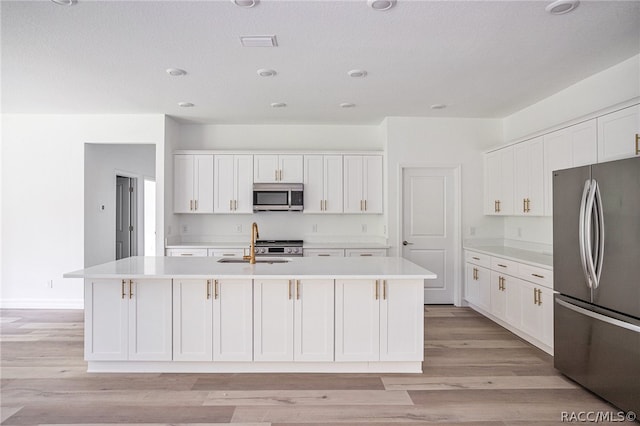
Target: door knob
{"points": [[406, 243]]}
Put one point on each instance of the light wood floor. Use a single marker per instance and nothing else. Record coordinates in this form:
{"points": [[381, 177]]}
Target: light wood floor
{"points": [[475, 372]]}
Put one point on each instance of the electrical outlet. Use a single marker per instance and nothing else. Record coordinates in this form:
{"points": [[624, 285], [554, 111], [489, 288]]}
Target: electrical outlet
{"points": [[185, 229], [49, 283], [314, 228], [519, 232], [472, 230], [238, 228], [364, 227]]}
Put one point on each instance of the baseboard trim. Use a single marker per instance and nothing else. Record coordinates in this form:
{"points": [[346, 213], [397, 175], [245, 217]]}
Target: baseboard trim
{"points": [[42, 304]]}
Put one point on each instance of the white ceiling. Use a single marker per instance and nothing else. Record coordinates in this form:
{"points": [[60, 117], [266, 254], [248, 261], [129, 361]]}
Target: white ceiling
{"points": [[481, 58]]}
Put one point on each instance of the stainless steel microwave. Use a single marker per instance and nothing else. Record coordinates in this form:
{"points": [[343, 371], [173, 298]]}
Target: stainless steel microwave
{"points": [[278, 197]]}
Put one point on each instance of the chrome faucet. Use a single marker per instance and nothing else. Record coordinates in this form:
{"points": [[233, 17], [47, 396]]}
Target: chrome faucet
{"points": [[254, 235]]}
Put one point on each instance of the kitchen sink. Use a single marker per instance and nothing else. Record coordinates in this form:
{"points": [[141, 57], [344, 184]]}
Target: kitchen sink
{"points": [[258, 260]]}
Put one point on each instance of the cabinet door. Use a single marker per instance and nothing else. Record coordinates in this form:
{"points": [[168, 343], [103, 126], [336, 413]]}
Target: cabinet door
{"points": [[323, 252], [265, 168], [106, 319], [498, 183], [529, 178], [372, 184], [513, 305], [273, 320], [402, 320], [333, 184], [571, 147], [357, 320], [291, 168], [313, 324], [224, 184], [546, 304], [365, 252], [314, 183], [471, 287], [192, 320], [352, 185], [203, 187], [498, 296], [232, 320], [618, 134], [183, 178], [243, 189], [150, 320], [479, 286], [537, 312]]}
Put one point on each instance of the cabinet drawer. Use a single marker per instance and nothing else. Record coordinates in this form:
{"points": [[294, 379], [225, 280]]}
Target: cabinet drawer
{"points": [[504, 266], [219, 252], [478, 258], [187, 252], [536, 275], [323, 252], [365, 252]]}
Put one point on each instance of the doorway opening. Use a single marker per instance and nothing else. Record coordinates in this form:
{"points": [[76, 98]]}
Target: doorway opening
{"points": [[125, 216], [149, 216]]}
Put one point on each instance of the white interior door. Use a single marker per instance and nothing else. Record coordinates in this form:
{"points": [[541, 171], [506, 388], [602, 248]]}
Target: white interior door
{"points": [[429, 226]]}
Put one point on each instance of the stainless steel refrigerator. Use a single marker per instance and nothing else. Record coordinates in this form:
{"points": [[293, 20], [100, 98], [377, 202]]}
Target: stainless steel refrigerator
{"points": [[596, 270]]}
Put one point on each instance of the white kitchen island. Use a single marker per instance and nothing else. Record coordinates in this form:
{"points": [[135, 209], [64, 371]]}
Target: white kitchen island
{"points": [[169, 314]]}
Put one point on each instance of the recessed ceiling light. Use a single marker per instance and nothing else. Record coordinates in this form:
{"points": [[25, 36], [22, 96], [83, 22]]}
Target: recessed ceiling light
{"points": [[278, 105], [176, 72], [245, 3], [185, 104], [264, 72], [560, 7], [259, 41], [347, 105], [438, 106], [65, 2], [381, 4], [357, 73]]}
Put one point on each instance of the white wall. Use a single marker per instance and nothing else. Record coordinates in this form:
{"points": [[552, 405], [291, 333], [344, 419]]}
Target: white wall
{"points": [[252, 138], [43, 199], [102, 163], [607, 88], [443, 141]]}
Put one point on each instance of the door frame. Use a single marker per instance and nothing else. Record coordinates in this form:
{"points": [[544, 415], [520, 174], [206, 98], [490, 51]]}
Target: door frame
{"points": [[457, 203], [137, 207]]}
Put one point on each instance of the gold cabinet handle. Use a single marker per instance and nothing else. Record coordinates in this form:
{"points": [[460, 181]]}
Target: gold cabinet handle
{"points": [[495, 206], [538, 276], [235, 204], [215, 289], [366, 254], [475, 273], [384, 289], [191, 205], [130, 289], [377, 295], [195, 205], [298, 289], [186, 254], [321, 206], [276, 172], [501, 265], [289, 288], [324, 254], [498, 206], [325, 205], [123, 293], [230, 205], [365, 205], [475, 258], [637, 144], [208, 289]]}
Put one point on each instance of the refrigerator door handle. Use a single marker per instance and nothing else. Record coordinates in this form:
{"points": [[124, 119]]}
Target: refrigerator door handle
{"points": [[599, 317], [589, 214], [581, 232], [600, 249]]}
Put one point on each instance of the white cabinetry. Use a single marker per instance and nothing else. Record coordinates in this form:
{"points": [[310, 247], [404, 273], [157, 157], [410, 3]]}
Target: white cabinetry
{"points": [[365, 252], [573, 146], [498, 183], [293, 320], [212, 320], [323, 184], [233, 184], [529, 178], [226, 252], [323, 252], [268, 168], [618, 134], [363, 184], [128, 320], [187, 252], [192, 183], [520, 296], [379, 320]]}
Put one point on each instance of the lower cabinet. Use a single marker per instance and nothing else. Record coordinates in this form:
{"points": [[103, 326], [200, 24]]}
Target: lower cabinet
{"points": [[478, 286], [293, 320], [537, 312], [379, 320], [128, 320], [505, 298], [212, 320]]}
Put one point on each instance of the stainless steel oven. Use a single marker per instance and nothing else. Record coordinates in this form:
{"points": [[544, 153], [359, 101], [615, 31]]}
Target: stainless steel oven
{"points": [[278, 197]]}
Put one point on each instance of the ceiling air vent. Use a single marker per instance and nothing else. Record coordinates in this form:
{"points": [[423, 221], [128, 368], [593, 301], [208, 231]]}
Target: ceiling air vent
{"points": [[259, 41]]}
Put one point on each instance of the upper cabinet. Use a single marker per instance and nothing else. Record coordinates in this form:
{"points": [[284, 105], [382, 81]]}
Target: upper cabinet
{"points": [[193, 183], [619, 134], [529, 178], [498, 184], [569, 147], [233, 184], [363, 184], [323, 183], [269, 168]]}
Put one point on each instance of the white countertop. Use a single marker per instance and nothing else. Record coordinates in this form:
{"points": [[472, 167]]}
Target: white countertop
{"points": [[534, 258], [207, 267]]}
